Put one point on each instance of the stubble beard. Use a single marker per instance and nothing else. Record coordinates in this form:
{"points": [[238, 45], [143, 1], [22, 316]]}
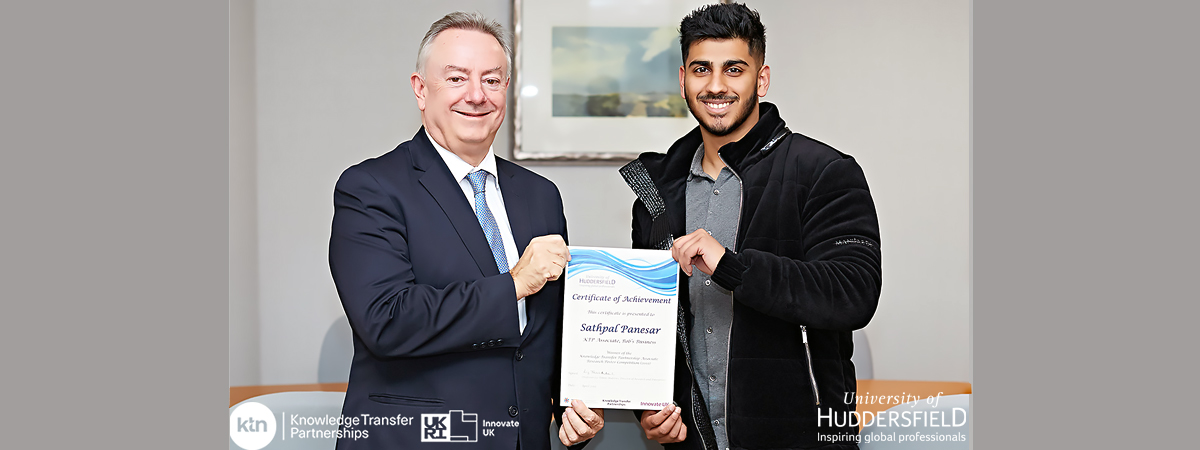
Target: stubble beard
{"points": [[724, 130]]}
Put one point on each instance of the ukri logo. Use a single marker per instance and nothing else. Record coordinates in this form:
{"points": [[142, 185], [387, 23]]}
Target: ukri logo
{"points": [[453, 427]]}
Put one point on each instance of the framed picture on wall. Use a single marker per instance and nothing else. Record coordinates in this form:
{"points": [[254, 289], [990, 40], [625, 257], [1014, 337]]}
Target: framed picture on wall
{"points": [[598, 80]]}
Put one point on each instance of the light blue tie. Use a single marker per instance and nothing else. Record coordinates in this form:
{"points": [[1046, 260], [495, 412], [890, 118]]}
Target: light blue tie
{"points": [[486, 220]]}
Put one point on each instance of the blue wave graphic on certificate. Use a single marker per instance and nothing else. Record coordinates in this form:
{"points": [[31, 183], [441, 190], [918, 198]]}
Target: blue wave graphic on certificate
{"points": [[658, 277]]}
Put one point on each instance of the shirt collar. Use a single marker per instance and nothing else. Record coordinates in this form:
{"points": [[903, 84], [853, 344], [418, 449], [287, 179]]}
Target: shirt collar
{"points": [[459, 168], [697, 169]]}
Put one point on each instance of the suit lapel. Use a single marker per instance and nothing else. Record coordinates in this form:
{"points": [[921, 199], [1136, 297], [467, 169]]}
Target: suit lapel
{"points": [[445, 190], [517, 207], [514, 204]]}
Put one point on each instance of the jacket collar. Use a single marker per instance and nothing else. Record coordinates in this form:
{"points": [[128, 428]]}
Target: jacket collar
{"points": [[668, 172], [677, 161], [444, 189]]}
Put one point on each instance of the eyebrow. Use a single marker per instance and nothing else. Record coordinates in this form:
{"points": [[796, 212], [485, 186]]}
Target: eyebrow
{"points": [[451, 68], [728, 63]]}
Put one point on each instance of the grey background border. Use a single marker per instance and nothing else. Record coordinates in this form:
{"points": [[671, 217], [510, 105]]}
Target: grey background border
{"points": [[1083, 229], [115, 219], [114, 240]]}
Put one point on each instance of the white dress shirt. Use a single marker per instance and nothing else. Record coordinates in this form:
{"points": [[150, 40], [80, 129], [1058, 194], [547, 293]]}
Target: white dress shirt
{"points": [[495, 202]]}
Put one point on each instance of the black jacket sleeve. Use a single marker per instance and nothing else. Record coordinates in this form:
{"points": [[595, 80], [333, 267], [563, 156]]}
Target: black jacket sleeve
{"points": [[836, 284]]}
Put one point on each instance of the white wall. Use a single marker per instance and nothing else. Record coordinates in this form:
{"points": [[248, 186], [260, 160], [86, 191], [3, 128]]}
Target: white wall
{"points": [[243, 205], [886, 83]]}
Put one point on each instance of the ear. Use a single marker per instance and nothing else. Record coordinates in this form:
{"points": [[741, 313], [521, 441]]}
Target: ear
{"points": [[682, 93], [418, 85], [764, 80]]}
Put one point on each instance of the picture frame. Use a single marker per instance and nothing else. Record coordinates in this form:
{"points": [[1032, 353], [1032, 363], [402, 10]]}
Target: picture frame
{"points": [[597, 81]]}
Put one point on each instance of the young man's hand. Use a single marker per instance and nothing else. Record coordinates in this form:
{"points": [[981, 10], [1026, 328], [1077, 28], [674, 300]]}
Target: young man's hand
{"points": [[698, 249]]}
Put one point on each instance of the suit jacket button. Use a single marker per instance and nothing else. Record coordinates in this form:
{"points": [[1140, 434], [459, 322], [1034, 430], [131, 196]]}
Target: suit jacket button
{"points": [[499, 341], [474, 346], [520, 355], [512, 411]]}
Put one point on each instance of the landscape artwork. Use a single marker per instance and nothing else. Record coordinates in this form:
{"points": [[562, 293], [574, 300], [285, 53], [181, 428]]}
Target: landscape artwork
{"points": [[616, 72]]}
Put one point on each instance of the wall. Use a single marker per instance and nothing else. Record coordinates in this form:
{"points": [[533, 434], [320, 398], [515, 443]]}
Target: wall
{"points": [[243, 205], [884, 82]]}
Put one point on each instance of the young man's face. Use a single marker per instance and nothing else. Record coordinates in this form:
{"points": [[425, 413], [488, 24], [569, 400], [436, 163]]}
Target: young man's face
{"points": [[462, 94], [721, 83]]}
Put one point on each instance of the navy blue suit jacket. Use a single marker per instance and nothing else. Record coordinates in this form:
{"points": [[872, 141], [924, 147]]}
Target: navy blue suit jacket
{"points": [[435, 323]]}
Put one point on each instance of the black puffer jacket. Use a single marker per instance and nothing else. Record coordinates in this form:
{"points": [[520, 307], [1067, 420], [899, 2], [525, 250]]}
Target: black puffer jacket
{"points": [[805, 273]]}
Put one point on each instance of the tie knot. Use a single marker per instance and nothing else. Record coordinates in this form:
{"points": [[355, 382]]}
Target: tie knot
{"points": [[477, 178]]}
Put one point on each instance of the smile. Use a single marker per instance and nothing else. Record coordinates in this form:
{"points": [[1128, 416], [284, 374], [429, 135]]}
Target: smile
{"points": [[717, 107], [473, 114]]}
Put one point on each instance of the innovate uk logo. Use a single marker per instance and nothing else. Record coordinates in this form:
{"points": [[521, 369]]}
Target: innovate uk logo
{"points": [[252, 426], [453, 427]]}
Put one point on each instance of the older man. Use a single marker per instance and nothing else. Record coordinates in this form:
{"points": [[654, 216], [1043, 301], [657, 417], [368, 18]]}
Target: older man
{"points": [[456, 332]]}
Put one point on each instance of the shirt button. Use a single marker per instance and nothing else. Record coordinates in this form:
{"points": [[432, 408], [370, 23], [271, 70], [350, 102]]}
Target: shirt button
{"points": [[707, 282], [520, 355], [717, 422], [712, 378], [716, 192], [512, 411], [709, 330]]}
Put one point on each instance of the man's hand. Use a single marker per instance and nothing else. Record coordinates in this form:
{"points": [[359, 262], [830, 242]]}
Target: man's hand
{"points": [[543, 260], [664, 427], [699, 249], [580, 423]]}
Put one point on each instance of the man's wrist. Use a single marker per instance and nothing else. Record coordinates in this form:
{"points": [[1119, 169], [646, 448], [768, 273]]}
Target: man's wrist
{"points": [[517, 287]]}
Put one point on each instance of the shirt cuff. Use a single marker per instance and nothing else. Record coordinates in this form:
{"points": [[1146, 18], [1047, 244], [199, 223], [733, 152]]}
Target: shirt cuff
{"points": [[728, 273]]}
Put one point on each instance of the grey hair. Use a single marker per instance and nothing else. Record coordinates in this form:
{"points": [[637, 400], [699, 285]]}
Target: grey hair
{"points": [[465, 21]]}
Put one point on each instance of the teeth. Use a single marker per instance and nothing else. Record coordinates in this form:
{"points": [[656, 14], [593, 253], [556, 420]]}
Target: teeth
{"points": [[718, 105]]}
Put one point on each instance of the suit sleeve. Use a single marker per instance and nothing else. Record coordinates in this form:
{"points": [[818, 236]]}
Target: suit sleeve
{"points": [[836, 285], [392, 314]]}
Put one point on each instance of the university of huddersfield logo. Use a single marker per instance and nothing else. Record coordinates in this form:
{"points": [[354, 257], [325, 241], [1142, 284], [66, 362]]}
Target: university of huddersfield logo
{"points": [[453, 427]]}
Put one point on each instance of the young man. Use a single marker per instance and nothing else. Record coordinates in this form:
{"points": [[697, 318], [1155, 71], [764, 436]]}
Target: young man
{"points": [[778, 235], [448, 317]]}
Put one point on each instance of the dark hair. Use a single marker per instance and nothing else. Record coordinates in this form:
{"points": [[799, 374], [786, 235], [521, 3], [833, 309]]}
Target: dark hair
{"points": [[724, 21]]}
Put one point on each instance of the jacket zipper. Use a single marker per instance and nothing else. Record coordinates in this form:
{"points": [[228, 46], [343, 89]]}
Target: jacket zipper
{"points": [[808, 358], [729, 335], [687, 358]]}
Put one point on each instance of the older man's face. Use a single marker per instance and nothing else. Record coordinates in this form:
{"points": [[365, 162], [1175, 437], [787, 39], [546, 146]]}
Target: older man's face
{"points": [[463, 91]]}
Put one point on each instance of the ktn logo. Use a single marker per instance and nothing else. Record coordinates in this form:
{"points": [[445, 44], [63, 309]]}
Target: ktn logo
{"points": [[453, 427], [251, 425]]}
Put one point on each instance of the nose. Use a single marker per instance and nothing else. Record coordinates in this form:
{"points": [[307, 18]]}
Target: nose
{"points": [[475, 94], [716, 85]]}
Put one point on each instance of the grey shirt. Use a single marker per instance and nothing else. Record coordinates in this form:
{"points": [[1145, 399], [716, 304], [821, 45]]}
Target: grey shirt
{"points": [[713, 205]]}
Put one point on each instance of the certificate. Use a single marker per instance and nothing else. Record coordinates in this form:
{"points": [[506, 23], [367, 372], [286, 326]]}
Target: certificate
{"points": [[619, 319]]}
